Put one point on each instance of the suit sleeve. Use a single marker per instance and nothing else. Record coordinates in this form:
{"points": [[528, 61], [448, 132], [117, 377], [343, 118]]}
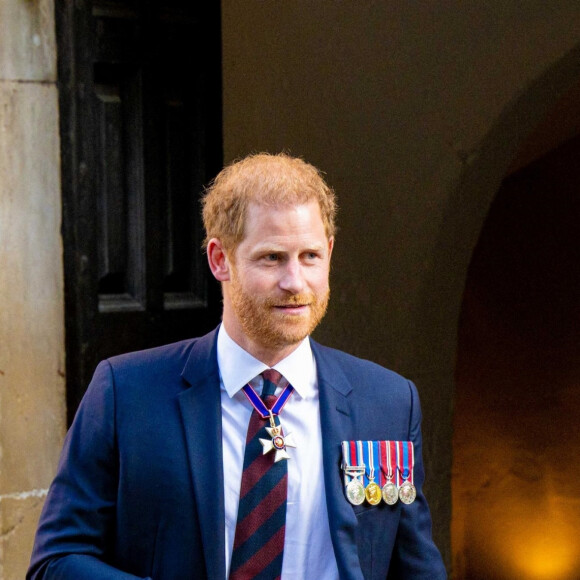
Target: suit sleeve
{"points": [[75, 536], [415, 554]]}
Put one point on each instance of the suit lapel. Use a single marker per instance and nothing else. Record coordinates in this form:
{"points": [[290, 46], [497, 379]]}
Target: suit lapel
{"points": [[200, 407], [337, 425]]}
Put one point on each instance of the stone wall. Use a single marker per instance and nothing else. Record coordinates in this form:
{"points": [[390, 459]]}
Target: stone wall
{"points": [[32, 385]]}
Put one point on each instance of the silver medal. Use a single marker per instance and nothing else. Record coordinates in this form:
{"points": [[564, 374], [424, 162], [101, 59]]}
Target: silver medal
{"points": [[279, 441], [407, 493], [355, 492], [390, 493]]}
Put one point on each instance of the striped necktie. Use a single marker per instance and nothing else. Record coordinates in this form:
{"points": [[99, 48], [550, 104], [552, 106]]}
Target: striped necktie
{"points": [[259, 540]]}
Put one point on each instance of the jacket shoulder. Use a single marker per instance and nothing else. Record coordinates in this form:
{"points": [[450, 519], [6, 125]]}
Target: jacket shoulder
{"points": [[359, 368], [159, 355], [161, 367]]}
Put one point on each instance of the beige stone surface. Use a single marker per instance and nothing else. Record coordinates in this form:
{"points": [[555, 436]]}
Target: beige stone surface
{"points": [[32, 386], [27, 40], [31, 287], [18, 518]]}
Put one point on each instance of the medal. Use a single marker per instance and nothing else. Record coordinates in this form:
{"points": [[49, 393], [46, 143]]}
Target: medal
{"points": [[353, 486], [279, 441], [373, 493], [392, 460], [372, 490], [389, 490], [407, 493], [405, 456], [355, 492], [390, 493]]}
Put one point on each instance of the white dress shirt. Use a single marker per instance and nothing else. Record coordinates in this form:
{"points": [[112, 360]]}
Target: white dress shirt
{"points": [[308, 551]]}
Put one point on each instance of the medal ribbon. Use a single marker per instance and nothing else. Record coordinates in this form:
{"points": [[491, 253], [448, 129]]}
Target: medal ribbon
{"points": [[411, 460], [362, 456], [345, 460], [393, 461], [258, 404], [376, 462], [388, 461], [367, 450], [405, 461], [349, 457], [352, 454], [383, 462], [400, 466], [386, 473], [371, 460]]}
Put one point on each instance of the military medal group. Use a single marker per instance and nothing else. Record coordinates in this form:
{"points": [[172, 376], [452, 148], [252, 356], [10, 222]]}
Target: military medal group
{"points": [[378, 470]]}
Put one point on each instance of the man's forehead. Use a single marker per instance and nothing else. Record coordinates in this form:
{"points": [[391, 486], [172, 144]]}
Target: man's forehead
{"points": [[273, 244], [256, 210], [264, 223]]}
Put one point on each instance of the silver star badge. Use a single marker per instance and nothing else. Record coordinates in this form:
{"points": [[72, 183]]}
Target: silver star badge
{"points": [[278, 442]]}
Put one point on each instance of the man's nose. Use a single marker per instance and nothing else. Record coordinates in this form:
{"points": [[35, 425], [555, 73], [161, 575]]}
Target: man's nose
{"points": [[292, 279]]}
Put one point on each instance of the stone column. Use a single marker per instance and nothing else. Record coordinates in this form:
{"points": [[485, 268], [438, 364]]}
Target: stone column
{"points": [[32, 383]]}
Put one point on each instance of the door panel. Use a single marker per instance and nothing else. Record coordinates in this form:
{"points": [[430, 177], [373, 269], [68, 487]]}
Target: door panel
{"points": [[140, 101]]}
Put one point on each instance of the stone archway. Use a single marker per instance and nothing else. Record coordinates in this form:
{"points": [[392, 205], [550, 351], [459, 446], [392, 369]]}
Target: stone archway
{"points": [[516, 373], [444, 283]]}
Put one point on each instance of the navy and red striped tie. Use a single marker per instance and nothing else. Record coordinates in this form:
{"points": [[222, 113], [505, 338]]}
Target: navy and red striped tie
{"points": [[259, 540]]}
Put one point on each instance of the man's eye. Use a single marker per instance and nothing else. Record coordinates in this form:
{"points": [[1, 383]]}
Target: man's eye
{"points": [[272, 257]]}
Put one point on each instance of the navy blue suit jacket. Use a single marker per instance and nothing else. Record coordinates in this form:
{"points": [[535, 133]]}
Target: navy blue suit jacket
{"points": [[139, 488]]}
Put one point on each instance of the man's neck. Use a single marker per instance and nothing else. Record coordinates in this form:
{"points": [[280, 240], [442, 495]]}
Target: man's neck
{"points": [[269, 356]]}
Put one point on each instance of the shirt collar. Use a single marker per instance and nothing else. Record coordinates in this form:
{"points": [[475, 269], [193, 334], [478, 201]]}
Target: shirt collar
{"points": [[238, 367]]}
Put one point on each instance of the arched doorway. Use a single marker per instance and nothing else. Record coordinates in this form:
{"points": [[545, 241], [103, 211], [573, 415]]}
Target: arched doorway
{"points": [[517, 404]]}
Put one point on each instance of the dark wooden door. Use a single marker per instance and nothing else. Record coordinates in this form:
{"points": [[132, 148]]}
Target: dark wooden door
{"points": [[140, 102]]}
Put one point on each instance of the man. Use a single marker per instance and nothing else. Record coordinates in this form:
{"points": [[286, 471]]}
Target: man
{"points": [[176, 468]]}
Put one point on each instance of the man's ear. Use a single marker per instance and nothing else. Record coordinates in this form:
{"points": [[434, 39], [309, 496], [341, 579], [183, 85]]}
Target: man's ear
{"points": [[218, 260]]}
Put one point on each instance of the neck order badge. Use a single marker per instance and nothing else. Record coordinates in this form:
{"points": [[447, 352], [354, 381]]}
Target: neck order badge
{"points": [[278, 440], [259, 540]]}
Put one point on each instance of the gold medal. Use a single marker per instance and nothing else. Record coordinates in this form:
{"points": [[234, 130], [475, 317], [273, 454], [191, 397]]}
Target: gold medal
{"points": [[373, 493], [407, 493], [372, 490], [355, 492], [390, 493]]}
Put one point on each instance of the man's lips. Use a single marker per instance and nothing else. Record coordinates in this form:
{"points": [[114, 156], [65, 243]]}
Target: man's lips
{"points": [[292, 307]]}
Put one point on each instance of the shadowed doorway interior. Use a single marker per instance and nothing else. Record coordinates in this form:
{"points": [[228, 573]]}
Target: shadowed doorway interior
{"points": [[516, 507]]}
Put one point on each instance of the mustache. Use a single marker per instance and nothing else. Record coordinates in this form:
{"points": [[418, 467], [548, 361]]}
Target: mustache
{"points": [[293, 300]]}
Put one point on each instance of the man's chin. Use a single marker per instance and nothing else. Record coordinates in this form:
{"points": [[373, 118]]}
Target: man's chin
{"points": [[292, 333], [286, 339], [289, 335]]}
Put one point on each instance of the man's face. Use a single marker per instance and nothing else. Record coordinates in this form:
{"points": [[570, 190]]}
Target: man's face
{"points": [[278, 288]]}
